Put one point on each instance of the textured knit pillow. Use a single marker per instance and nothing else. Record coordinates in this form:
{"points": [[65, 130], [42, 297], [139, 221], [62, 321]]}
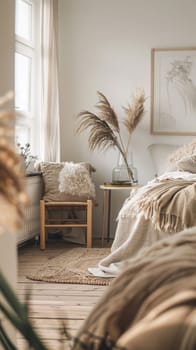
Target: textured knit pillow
{"points": [[182, 152], [187, 164], [51, 173]]}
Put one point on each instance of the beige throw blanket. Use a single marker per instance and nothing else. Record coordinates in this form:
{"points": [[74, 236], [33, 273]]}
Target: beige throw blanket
{"points": [[169, 204], [164, 206], [152, 304]]}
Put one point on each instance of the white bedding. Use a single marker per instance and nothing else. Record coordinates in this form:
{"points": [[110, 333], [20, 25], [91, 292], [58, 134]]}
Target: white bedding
{"points": [[134, 232]]}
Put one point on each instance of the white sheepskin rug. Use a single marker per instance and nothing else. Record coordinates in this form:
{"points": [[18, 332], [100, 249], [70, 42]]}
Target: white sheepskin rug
{"points": [[75, 179]]}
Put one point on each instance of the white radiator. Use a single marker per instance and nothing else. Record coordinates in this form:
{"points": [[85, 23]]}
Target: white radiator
{"points": [[31, 224]]}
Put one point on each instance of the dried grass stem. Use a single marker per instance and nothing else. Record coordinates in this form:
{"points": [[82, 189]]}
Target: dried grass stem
{"points": [[104, 127]]}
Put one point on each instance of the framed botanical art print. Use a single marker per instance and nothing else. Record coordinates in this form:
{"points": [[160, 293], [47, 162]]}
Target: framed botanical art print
{"points": [[173, 91]]}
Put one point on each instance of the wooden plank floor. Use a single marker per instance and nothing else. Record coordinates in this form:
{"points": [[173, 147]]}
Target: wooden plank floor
{"points": [[53, 305]]}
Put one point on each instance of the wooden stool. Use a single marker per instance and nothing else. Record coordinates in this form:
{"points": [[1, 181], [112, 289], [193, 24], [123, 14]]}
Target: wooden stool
{"points": [[46, 222]]}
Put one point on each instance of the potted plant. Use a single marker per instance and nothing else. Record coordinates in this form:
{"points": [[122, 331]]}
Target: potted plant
{"points": [[105, 129]]}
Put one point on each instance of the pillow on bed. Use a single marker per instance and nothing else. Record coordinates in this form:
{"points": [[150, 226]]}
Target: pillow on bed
{"points": [[160, 156], [78, 172], [182, 152], [187, 163]]}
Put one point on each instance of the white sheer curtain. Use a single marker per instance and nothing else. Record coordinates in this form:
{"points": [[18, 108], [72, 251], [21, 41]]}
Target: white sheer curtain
{"points": [[50, 120]]}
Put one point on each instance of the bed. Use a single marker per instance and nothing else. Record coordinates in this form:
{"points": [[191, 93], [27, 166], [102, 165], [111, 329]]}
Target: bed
{"points": [[163, 207], [151, 302]]}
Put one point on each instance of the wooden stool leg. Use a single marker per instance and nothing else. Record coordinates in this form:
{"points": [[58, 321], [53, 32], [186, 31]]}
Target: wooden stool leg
{"points": [[42, 225], [89, 223], [45, 220]]}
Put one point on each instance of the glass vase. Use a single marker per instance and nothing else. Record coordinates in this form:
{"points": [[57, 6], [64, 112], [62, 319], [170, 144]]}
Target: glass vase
{"points": [[124, 173]]}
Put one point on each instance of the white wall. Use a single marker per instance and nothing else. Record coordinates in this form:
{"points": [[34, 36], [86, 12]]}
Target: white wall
{"points": [[105, 45]]}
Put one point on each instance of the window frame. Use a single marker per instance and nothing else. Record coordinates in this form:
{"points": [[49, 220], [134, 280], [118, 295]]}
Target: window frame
{"points": [[31, 48]]}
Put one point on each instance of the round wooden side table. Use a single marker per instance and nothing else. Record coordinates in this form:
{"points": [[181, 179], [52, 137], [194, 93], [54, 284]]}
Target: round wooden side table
{"points": [[107, 189]]}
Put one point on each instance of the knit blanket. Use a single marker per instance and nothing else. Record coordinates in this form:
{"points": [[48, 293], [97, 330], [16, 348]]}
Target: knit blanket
{"points": [[151, 305], [164, 206], [170, 204]]}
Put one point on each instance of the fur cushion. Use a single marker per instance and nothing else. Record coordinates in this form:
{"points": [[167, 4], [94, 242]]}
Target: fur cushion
{"points": [[74, 180], [67, 181], [187, 163], [182, 152]]}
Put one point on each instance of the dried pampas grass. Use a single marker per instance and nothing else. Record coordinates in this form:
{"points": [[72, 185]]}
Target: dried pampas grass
{"points": [[104, 127], [13, 199], [134, 113]]}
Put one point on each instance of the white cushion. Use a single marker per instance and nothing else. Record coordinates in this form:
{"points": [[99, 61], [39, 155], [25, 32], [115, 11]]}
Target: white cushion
{"points": [[187, 163], [185, 150], [75, 180], [160, 153]]}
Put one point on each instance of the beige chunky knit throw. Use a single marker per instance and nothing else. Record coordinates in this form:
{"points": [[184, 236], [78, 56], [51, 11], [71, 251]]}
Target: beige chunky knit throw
{"points": [[169, 204], [151, 305]]}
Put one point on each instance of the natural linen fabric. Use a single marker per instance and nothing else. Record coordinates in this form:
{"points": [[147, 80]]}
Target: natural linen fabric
{"points": [[170, 325], [152, 304], [50, 115]]}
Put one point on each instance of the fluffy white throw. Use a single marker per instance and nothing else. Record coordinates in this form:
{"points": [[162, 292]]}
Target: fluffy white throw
{"points": [[75, 179]]}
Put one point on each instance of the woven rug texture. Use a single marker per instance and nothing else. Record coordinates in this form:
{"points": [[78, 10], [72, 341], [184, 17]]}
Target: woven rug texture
{"points": [[72, 267]]}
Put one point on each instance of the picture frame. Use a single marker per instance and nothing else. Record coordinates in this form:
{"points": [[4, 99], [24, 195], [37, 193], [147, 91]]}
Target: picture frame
{"points": [[173, 91]]}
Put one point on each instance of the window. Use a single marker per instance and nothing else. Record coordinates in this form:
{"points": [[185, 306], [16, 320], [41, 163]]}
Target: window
{"points": [[27, 52]]}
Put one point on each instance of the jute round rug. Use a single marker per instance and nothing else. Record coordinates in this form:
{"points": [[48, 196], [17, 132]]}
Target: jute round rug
{"points": [[72, 267]]}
